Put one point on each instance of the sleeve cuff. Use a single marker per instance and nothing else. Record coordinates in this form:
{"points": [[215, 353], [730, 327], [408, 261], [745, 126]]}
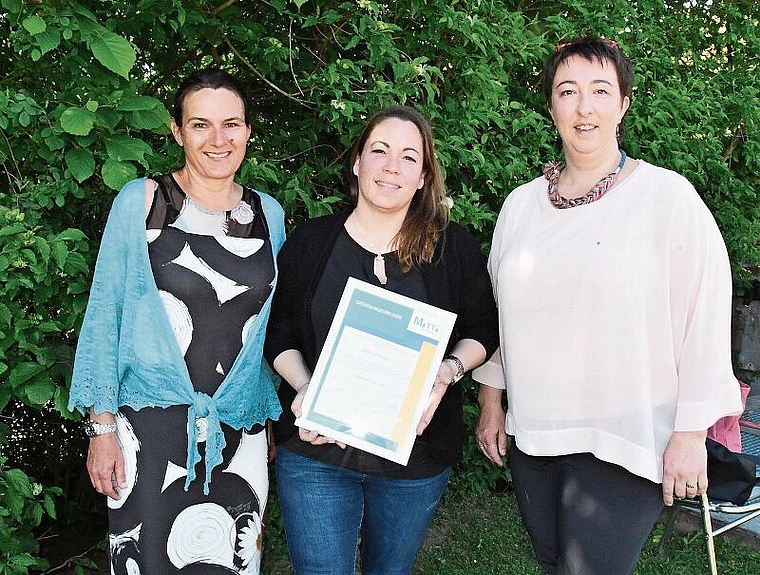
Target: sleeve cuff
{"points": [[491, 372]]}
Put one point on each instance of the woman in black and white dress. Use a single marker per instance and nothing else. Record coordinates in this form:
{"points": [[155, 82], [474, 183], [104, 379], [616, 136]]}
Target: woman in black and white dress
{"points": [[169, 363]]}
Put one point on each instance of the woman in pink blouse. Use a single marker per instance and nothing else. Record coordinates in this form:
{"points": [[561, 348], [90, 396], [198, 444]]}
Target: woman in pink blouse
{"points": [[614, 294]]}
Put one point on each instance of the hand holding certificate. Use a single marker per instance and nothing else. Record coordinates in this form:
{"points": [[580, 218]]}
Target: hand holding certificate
{"points": [[378, 365]]}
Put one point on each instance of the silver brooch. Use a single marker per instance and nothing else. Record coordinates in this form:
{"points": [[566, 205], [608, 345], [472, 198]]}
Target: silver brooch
{"points": [[242, 213]]}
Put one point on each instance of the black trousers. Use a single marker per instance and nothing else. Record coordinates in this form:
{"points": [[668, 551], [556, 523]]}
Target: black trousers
{"points": [[584, 516]]}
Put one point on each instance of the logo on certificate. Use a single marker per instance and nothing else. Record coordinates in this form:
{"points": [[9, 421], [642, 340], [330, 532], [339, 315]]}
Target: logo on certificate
{"points": [[425, 324]]}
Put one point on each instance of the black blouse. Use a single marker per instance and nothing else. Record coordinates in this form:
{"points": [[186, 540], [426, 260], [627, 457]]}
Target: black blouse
{"points": [[313, 266]]}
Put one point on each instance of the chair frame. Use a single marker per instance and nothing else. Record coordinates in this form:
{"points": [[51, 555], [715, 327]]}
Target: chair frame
{"points": [[707, 507], [748, 423]]}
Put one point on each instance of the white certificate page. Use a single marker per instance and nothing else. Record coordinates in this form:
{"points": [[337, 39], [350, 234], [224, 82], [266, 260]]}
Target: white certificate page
{"points": [[373, 379]]}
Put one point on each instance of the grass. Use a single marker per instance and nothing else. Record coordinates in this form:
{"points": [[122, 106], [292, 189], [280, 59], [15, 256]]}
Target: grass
{"points": [[483, 535], [477, 534], [473, 534]]}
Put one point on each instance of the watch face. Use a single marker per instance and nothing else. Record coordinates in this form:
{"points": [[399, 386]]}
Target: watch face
{"points": [[89, 429]]}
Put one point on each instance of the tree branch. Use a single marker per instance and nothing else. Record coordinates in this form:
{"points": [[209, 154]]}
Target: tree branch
{"points": [[736, 141], [265, 80], [290, 57], [222, 6], [71, 560]]}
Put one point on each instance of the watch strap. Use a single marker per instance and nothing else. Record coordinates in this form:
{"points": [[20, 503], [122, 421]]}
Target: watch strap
{"points": [[93, 428], [460, 368]]}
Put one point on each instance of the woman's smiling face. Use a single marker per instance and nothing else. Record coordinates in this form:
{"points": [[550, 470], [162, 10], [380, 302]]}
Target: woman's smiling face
{"points": [[586, 105], [390, 166], [213, 133]]}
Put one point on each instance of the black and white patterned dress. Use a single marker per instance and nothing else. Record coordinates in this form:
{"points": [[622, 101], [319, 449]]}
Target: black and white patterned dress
{"points": [[214, 272]]}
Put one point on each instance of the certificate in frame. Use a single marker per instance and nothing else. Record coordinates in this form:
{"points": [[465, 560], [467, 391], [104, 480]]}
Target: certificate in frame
{"points": [[373, 378]]}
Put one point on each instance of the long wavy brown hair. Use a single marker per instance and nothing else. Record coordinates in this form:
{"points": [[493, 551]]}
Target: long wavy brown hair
{"points": [[428, 213]]}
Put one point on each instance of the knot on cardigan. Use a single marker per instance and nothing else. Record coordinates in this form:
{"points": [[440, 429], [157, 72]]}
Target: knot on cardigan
{"points": [[203, 407], [201, 404]]}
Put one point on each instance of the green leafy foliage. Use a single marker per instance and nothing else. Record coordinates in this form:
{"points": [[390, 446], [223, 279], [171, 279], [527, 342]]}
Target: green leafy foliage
{"points": [[23, 503], [87, 86]]}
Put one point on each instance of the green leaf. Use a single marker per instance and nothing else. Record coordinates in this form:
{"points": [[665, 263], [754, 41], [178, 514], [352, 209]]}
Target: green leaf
{"points": [[34, 515], [76, 264], [22, 561], [43, 247], [28, 255], [61, 402], [5, 395], [13, 6], [135, 103], [123, 148], [5, 314], [49, 327], [49, 505], [114, 52], [77, 287], [23, 372], [39, 392], [109, 118], [78, 9], [149, 119], [18, 481], [71, 234], [48, 40], [12, 230], [55, 142], [77, 121], [81, 164], [34, 25], [60, 253], [116, 174]]}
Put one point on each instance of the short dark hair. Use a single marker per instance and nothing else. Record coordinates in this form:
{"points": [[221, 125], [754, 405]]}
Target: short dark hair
{"points": [[213, 78], [428, 213], [592, 48]]}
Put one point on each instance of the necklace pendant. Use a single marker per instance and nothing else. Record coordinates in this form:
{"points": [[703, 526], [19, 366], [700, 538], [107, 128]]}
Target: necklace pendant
{"points": [[379, 269]]}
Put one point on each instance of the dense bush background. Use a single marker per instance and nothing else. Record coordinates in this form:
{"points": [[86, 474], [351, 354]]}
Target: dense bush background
{"points": [[84, 88]]}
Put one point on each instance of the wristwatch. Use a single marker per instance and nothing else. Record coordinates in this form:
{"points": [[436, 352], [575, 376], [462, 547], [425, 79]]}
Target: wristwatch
{"points": [[460, 368], [93, 428]]}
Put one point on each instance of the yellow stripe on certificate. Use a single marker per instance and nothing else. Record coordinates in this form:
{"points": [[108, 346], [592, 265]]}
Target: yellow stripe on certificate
{"points": [[416, 384]]}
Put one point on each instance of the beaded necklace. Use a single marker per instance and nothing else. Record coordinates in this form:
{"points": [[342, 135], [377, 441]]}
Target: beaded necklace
{"points": [[552, 173]]}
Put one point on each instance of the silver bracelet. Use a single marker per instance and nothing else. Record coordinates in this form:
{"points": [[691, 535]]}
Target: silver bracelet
{"points": [[93, 428], [460, 368]]}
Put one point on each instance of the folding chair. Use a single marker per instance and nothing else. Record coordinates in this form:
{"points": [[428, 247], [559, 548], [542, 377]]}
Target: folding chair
{"points": [[739, 514]]}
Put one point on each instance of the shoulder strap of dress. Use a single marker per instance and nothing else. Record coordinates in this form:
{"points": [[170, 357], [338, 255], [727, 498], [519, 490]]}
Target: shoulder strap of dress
{"points": [[161, 203], [258, 208]]}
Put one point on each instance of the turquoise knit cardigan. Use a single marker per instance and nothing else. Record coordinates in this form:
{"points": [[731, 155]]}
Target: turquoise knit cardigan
{"points": [[127, 352]]}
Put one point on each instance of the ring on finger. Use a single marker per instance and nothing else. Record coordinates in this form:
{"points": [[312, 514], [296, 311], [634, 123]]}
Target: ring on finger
{"points": [[691, 486]]}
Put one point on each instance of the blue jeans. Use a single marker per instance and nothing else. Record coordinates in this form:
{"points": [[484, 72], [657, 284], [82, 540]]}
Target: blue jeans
{"points": [[325, 506]]}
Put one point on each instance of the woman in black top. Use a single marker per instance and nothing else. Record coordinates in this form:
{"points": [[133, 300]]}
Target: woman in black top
{"points": [[398, 236]]}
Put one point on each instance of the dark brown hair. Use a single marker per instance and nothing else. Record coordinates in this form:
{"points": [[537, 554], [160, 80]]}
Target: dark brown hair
{"points": [[215, 79], [593, 49], [428, 213]]}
